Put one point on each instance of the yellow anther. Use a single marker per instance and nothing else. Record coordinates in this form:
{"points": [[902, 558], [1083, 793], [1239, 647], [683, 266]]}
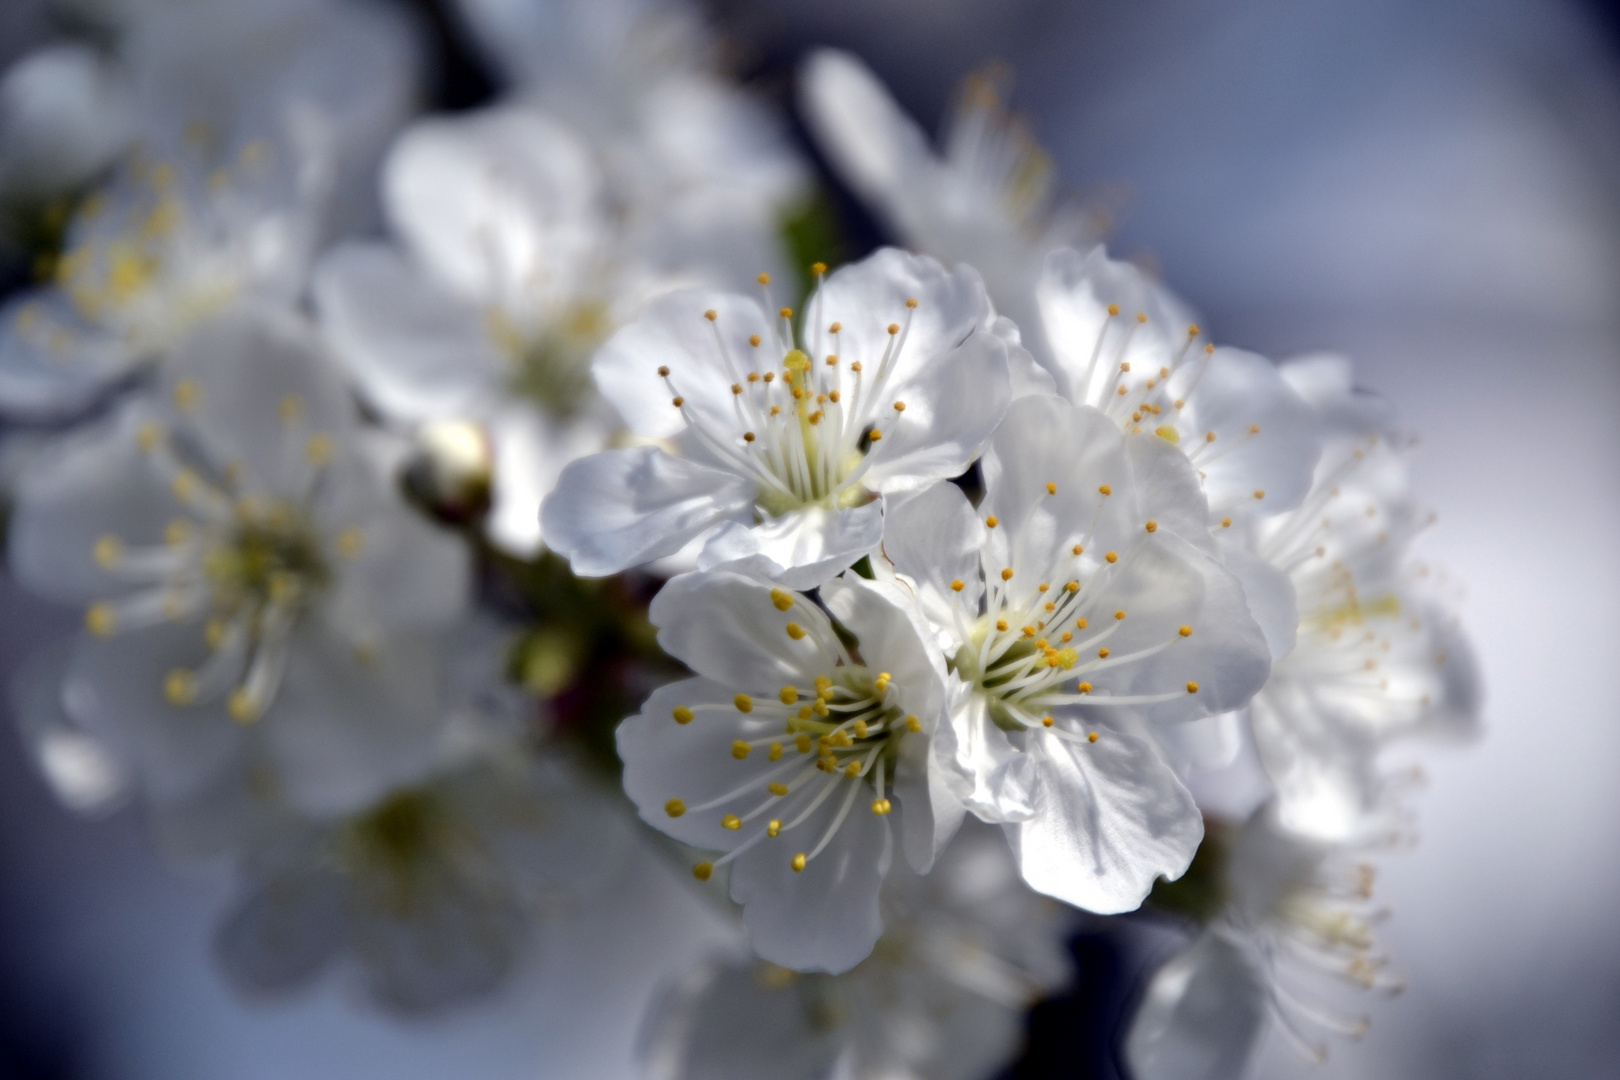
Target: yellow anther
{"points": [[1120, 614], [1180, 403], [675, 807], [795, 631], [773, 828], [823, 684], [184, 484], [682, 714], [1185, 631], [1029, 631], [1077, 549], [711, 315], [894, 328], [350, 542], [1152, 526], [764, 279], [1192, 330], [992, 521], [1081, 623], [214, 632], [777, 788], [789, 695], [881, 683], [1254, 429], [1092, 737], [786, 313], [801, 742], [1209, 436], [180, 687], [833, 397], [910, 302], [318, 449], [1192, 688], [1125, 366], [1259, 494], [101, 619], [677, 401], [875, 436], [242, 707], [744, 703], [1112, 556], [1042, 587], [818, 268], [1066, 636], [1084, 688], [861, 729], [855, 365], [782, 599], [1102, 653], [290, 409], [1105, 490], [702, 870], [1047, 721], [1113, 309], [852, 770], [881, 806], [148, 437], [1006, 574], [1209, 349], [835, 327], [913, 724], [748, 436], [663, 371], [958, 585], [731, 821], [798, 862], [107, 551], [1226, 523], [804, 712], [1001, 624], [1051, 488], [186, 394], [739, 749], [1072, 587], [1124, 390], [775, 752], [899, 406]]}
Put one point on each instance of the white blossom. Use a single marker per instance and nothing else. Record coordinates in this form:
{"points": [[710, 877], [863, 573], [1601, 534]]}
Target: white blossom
{"points": [[988, 197], [510, 274], [1377, 655], [781, 447], [966, 949], [1076, 620], [788, 751], [256, 591], [435, 892], [702, 175], [1292, 912], [169, 242], [1119, 342]]}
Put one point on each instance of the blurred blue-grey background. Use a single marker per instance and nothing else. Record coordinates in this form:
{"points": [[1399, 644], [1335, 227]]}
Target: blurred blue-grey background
{"points": [[1431, 186]]}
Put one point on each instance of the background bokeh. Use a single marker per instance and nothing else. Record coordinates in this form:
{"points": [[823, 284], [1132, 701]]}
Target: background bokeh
{"points": [[1431, 186]]}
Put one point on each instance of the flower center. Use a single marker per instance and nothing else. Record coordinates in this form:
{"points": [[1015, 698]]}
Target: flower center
{"points": [[806, 430], [838, 734], [391, 850], [550, 366], [253, 564], [1026, 644]]}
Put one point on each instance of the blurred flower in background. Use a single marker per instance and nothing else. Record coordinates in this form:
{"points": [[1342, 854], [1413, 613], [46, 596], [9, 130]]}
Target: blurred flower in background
{"points": [[527, 653]]}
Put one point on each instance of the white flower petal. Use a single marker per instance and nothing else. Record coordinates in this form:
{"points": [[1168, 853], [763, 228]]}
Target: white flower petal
{"points": [[92, 483], [705, 359], [1201, 1016], [801, 548], [725, 625], [52, 363], [825, 917], [933, 536], [415, 352], [1004, 780], [494, 199], [874, 146], [347, 727], [1267, 436], [1112, 819], [620, 508], [290, 923]]}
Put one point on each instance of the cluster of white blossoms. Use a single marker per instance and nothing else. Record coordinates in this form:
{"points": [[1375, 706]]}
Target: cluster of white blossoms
{"points": [[326, 417]]}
